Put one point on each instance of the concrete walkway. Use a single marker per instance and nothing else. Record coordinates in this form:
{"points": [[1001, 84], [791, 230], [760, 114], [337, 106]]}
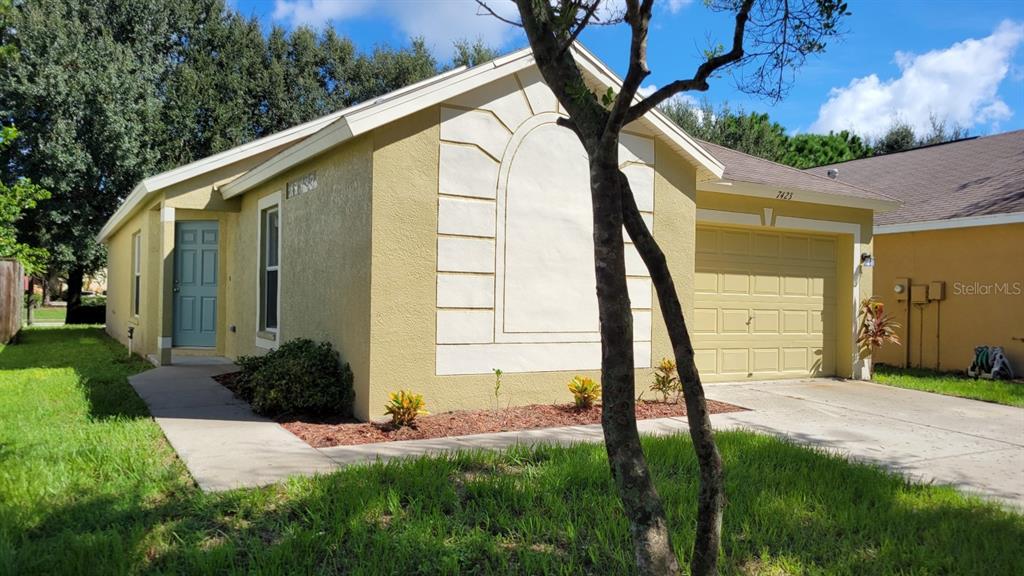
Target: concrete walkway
{"points": [[975, 446], [222, 442]]}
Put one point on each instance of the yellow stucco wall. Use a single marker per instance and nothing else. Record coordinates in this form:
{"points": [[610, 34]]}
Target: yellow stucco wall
{"points": [[844, 259], [404, 284], [325, 248], [119, 284], [983, 268]]}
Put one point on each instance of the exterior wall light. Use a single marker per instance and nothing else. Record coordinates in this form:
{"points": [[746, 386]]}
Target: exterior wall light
{"points": [[867, 260]]}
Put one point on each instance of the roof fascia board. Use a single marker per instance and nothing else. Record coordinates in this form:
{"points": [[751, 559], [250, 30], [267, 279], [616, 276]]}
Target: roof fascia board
{"points": [[364, 120], [952, 223], [702, 158], [164, 179], [740, 188], [137, 197]]}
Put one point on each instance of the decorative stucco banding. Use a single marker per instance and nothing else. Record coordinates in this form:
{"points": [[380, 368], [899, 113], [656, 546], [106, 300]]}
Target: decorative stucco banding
{"points": [[515, 236]]}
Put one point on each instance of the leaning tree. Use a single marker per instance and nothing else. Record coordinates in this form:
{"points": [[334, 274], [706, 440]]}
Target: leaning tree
{"points": [[770, 40]]}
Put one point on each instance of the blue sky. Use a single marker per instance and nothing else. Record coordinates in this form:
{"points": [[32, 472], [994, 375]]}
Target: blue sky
{"points": [[961, 60]]}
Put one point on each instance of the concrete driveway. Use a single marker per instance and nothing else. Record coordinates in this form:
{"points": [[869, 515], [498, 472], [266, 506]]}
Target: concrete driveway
{"points": [[975, 446]]}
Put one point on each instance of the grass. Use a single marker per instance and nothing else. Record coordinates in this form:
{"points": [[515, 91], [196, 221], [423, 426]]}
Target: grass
{"points": [[49, 314], [88, 485], [999, 391]]}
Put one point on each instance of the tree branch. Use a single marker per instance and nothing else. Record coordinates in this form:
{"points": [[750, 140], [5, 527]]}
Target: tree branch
{"points": [[587, 17], [491, 11], [699, 81], [638, 16]]}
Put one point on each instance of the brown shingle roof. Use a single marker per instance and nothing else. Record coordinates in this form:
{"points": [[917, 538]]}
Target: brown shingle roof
{"points": [[971, 177], [741, 167]]}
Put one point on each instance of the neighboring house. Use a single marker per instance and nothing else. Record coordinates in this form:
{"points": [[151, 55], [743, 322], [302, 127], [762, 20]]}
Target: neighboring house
{"points": [[444, 230], [961, 225]]}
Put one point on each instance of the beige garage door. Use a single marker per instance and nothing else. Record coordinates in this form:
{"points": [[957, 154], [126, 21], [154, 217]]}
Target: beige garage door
{"points": [[764, 305]]}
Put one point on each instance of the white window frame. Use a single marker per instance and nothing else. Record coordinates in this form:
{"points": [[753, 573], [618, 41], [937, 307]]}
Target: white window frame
{"points": [[265, 203], [136, 290]]}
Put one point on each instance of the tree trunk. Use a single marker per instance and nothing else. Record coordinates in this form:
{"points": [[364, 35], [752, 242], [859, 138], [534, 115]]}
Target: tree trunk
{"points": [[648, 527], [76, 276], [51, 287], [711, 497]]}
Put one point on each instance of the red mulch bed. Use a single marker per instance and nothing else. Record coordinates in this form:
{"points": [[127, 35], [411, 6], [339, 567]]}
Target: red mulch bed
{"points": [[323, 432]]}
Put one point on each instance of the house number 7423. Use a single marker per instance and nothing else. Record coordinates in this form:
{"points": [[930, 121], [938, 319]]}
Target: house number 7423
{"points": [[784, 195]]}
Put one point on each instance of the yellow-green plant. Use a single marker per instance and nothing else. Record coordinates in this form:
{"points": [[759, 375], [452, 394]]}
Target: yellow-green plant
{"points": [[584, 391], [666, 382], [403, 407]]}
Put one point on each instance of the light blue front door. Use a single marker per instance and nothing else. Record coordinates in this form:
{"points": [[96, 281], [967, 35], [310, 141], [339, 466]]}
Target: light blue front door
{"points": [[195, 283]]}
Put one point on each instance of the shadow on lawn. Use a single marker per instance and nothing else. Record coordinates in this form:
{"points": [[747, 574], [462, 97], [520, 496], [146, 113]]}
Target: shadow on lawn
{"points": [[548, 510], [102, 375], [526, 511]]}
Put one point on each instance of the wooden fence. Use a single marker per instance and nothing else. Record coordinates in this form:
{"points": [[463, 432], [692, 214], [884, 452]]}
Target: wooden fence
{"points": [[12, 298]]}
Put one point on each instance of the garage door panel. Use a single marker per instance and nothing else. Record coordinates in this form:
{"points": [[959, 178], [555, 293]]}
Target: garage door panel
{"points": [[766, 245], [823, 249], [735, 283], [766, 359], [707, 361], [765, 304], [705, 282], [795, 247], [795, 286], [705, 320], [795, 359], [766, 285], [734, 361], [732, 242], [765, 322], [735, 321]]}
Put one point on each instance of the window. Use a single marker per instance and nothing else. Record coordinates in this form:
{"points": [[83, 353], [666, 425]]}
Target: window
{"points": [[136, 272], [270, 262]]}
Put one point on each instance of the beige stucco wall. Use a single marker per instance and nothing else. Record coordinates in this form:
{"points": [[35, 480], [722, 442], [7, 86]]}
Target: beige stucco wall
{"points": [[983, 268], [404, 285], [325, 271], [844, 259]]}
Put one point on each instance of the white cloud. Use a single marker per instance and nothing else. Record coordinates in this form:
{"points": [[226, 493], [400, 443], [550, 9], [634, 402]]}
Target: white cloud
{"points": [[958, 84], [440, 22], [646, 91]]}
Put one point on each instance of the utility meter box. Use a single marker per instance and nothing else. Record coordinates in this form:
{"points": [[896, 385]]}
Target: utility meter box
{"points": [[919, 293], [901, 287], [937, 291]]}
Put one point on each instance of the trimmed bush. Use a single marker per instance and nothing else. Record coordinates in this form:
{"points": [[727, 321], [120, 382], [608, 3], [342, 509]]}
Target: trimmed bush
{"points": [[301, 376], [87, 314]]}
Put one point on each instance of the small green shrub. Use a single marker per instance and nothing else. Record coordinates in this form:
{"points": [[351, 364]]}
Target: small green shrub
{"points": [[301, 376], [403, 407], [666, 382], [584, 391]]}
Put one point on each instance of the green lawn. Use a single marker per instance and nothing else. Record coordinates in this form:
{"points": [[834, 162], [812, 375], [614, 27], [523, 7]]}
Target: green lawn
{"points": [[49, 314], [89, 486], [1000, 392]]}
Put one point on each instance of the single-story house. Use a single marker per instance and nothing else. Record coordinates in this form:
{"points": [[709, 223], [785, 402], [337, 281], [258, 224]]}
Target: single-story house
{"points": [[950, 261], [443, 230]]}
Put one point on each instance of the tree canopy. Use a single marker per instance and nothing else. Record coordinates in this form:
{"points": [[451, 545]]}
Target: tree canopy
{"points": [[758, 135], [105, 93]]}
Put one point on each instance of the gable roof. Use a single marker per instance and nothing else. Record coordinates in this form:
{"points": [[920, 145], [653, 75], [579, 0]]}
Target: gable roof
{"points": [[394, 106], [146, 190], [772, 177], [964, 182]]}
